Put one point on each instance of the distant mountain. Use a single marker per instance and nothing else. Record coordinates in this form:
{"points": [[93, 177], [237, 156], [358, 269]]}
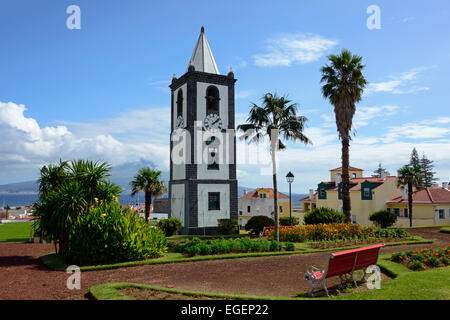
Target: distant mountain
{"points": [[122, 175]]}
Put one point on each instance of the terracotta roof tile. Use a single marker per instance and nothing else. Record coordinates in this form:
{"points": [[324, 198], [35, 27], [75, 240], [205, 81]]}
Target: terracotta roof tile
{"points": [[270, 194], [427, 195], [350, 168]]}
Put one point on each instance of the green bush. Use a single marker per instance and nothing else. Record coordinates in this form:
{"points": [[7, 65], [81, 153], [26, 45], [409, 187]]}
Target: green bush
{"points": [[256, 224], [323, 215], [196, 246], [227, 226], [106, 234], [383, 218], [169, 226], [284, 221], [391, 233], [289, 246], [416, 265]]}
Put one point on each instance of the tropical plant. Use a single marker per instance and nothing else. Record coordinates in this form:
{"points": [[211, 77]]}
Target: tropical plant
{"points": [[227, 226], [383, 218], [323, 215], [66, 191], [411, 177], [285, 221], [169, 226], [110, 234], [149, 181], [344, 85], [256, 224], [275, 119]]}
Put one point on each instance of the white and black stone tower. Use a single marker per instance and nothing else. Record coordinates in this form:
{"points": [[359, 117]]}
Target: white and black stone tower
{"points": [[203, 186]]}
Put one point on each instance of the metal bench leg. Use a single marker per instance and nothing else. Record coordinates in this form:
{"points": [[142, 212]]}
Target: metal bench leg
{"points": [[324, 286]]}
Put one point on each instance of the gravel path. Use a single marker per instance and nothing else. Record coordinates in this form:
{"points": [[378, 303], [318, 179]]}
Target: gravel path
{"points": [[23, 277]]}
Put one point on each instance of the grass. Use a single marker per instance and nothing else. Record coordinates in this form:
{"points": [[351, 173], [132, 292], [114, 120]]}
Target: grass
{"points": [[52, 261], [445, 230], [406, 285], [15, 231]]}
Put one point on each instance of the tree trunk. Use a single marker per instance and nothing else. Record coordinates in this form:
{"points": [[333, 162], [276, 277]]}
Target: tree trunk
{"points": [[346, 206], [275, 185], [410, 202], [148, 201]]}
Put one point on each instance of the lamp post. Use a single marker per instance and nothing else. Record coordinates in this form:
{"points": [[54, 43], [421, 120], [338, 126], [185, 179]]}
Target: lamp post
{"points": [[290, 179]]}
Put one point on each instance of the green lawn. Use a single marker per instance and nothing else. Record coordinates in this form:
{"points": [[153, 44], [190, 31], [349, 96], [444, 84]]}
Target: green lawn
{"points": [[432, 284], [15, 231]]}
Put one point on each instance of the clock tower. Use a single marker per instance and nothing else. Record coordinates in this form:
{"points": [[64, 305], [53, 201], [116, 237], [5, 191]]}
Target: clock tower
{"points": [[203, 185]]}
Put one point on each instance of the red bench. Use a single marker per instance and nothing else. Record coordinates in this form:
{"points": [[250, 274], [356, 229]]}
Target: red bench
{"points": [[342, 264]]}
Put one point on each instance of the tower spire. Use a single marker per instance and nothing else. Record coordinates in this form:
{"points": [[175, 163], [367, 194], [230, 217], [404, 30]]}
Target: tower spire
{"points": [[202, 58]]}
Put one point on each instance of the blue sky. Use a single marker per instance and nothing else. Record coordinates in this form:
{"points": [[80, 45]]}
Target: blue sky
{"points": [[101, 92]]}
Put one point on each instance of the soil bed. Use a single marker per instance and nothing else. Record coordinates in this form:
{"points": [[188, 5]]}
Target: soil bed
{"points": [[24, 277]]}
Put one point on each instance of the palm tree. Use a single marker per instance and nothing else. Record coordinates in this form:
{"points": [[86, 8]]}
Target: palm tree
{"points": [[412, 177], [277, 117], [149, 181], [344, 85]]}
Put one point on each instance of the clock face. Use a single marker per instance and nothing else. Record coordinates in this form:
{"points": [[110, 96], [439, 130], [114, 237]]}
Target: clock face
{"points": [[179, 123], [212, 121]]}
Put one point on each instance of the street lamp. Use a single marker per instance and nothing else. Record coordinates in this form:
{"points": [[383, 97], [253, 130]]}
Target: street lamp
{"points": [[290, 179]]}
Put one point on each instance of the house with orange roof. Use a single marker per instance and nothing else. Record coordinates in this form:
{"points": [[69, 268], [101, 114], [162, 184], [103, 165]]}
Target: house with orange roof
{"points": [[431, 206], [259, 202]]}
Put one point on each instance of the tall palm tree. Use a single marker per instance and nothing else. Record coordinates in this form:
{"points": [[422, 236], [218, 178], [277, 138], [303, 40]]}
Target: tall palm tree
{"points": [[344, 85], [277, 117], [412, 177], [149, 181]]}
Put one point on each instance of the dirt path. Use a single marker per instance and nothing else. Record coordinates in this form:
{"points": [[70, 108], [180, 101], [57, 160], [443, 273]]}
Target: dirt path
{"points": [[22, 276]]}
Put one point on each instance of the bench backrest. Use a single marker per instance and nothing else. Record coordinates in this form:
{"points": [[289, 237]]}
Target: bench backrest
{"points": [[351, 260]]}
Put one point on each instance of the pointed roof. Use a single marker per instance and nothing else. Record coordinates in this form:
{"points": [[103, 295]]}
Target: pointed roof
{"points": [[202, 58]]}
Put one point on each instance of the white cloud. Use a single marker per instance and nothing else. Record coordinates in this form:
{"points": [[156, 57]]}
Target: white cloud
{"points": [[25, 143], [363, 115], [287, 49], [401, 83]]}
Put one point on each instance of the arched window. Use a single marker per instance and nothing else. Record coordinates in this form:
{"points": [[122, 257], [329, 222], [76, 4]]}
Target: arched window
{"points": [[180, 103], [212, 100]]}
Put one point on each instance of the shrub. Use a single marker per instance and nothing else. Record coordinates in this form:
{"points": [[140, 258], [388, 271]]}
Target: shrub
{"points": [[170, 226], [106, 234], [416, 265], [284, 221], [398, 257], [227, 226], [323, 215], [256, 224], [391, 233], [289, 246], [383, 218]]}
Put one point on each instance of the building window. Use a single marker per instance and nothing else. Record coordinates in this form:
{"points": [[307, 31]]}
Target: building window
{"points": [[366, 192], [212, 100], [354, 175], [262, 195], [323, 193], [213, 200], [281, 209], [441, 214], [397, 211], [248, 209], [405, 212], [354, 219], [388, 209], [180, 103]]}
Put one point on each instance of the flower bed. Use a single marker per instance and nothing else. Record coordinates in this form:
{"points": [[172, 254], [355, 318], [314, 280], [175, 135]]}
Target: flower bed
{"points": [[332, 232], [220, 246], [425, 258]]}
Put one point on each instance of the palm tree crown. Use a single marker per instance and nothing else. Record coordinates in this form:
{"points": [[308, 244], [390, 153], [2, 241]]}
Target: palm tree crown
{"points": [[411, 177], [149, 181], [276, 118]]}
